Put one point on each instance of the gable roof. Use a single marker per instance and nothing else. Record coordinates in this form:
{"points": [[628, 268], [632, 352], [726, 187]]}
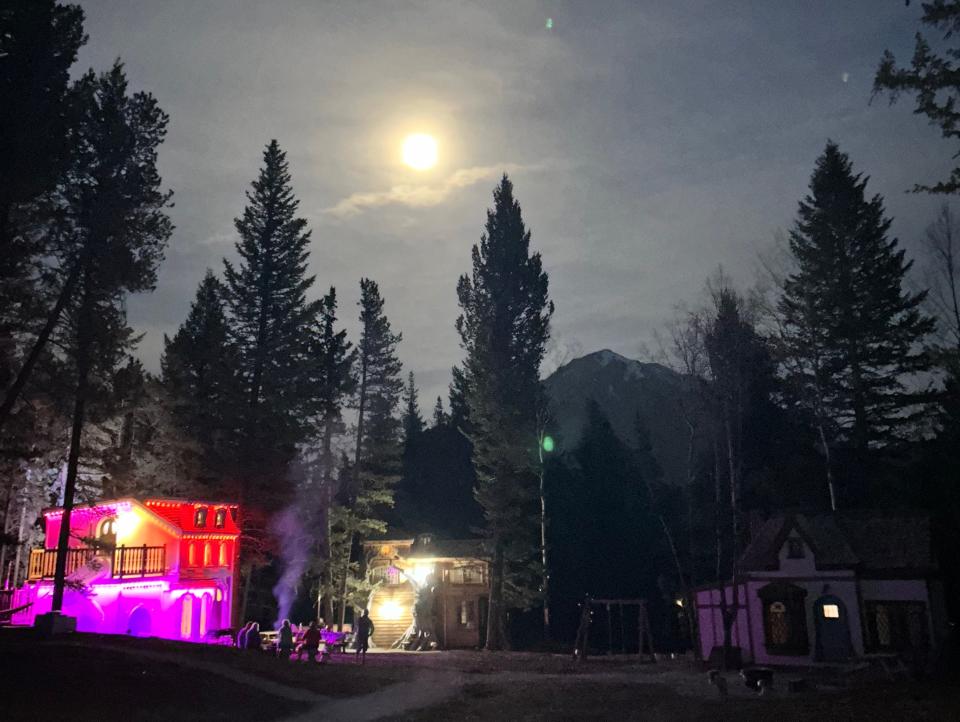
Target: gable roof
{"points": [[869, 542]]}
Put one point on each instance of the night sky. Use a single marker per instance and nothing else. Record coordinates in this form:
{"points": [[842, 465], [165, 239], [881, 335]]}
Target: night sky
{"points": [[648, 142]]}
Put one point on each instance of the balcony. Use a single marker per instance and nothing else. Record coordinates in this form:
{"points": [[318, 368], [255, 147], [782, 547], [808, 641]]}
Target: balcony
{"points": [[142, 561]]}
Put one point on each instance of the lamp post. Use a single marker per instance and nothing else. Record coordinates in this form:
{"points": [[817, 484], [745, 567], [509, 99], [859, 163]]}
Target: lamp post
{"points": [[544, 445]]}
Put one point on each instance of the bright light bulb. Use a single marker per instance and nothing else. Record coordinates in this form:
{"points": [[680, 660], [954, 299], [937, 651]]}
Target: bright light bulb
{"points": [[420, 151]]}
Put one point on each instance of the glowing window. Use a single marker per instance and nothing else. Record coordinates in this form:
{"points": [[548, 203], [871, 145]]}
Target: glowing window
{"points": [[204, 601], [107, 528], [223, 555], [831, 611], [191, 555], [467, 613], [218, 595], [200, 517], [779, 625], [220, 518], [207, 555], [186, 616]]}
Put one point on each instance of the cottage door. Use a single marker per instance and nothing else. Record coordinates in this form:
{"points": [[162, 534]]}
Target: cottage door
{"points": [[833, 629]]}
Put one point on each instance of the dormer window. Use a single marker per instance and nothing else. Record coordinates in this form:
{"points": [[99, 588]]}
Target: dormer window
{"points": [[220, 518], [200, 517], [795, 548], [106, 531]]}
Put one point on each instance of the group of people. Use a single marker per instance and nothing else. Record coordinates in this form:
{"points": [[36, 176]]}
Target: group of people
{"points": [[249, 636], [307, 640]]}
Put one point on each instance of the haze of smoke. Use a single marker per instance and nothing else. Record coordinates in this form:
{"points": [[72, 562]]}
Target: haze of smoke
{"points": [[294, 544]]}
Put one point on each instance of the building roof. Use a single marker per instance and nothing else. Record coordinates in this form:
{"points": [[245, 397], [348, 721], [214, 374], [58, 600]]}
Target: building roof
{"points": [[427, 546], [175, 514], [875, 542]]}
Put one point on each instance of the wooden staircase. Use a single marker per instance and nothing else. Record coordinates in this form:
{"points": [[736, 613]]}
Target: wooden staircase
{"points": [[399, 597]]}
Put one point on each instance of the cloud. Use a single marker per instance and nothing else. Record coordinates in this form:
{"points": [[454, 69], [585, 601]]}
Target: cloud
{"points": [[420, 196]]}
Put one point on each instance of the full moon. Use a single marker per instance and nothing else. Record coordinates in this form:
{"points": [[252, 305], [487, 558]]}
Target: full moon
{"points": [[420, 151]]}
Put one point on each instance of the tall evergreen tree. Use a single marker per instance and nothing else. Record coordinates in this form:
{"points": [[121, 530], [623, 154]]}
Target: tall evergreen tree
{"points": [[440, 417], [271, 323], [113, 228], [376, 466], [198, 372], [39, 40], [504, 327], [857, 331], [334, 358], [412, 421]]}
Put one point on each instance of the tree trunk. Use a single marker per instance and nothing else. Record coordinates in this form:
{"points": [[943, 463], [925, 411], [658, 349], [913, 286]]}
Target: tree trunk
{"points": [[38, 345], [496, 636], [73, 459]]}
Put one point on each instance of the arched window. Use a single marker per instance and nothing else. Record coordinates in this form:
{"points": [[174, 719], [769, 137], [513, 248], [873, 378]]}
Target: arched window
{"points": [[207, 555], [186, 616], [107, 528], [200, 517], [191, 555], [785, 619], [204, 603], [220, 518], [224, 561]]}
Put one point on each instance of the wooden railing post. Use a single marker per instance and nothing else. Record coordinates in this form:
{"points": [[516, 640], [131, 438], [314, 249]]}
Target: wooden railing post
{"points": [[143, 562]]}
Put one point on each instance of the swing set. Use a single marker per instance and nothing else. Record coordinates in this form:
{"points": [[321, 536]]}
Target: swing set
{"points": [[644, 635]]}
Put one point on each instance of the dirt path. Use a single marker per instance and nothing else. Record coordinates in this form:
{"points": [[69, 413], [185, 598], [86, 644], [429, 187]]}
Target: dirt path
{"points": [[428, 689]]}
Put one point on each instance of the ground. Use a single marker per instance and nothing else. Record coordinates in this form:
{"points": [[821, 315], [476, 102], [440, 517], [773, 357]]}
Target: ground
{"points": [[94, 677]]}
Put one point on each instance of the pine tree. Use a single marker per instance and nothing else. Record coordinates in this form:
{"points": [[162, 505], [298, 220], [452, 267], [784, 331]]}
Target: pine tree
{"points": [[933, 78], [856, 331], [440, 417], [271, 323], [412, 421], [114, 229], [376, 466], [334, 358], [39, 41], [198, 371], [504, 327]]}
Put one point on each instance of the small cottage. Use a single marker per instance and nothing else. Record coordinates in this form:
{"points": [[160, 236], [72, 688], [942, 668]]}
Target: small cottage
{"points": [[828, 588], [448, 579]]}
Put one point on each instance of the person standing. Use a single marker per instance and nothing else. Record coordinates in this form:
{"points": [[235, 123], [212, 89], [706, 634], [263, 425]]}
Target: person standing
{"points": [[363, 633], [242, 636], [311, 641], [285, 640]]}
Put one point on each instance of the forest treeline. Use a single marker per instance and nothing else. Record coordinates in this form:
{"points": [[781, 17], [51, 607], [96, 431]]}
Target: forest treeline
{"points": [[831, 384]]}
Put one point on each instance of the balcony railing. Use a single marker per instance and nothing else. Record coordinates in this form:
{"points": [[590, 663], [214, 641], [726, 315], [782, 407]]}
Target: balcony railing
{"points": [[126, 561]]}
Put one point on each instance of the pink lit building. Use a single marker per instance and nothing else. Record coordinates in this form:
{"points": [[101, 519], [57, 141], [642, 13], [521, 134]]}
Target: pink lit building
{"points": [[158, 567]]}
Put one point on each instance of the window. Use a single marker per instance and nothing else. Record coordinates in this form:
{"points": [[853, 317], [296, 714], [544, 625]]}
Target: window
{"points": [[467, 575], [107, 528], [191, 555], [467, 613], [220, 518], [200, 517], [831, 611], [224, 561], [186, 616], [784, 619], [896, 626], [795, 548], [207, 555]]}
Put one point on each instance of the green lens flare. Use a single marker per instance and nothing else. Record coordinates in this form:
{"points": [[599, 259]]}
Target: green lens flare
{"points": [[549, 23], [548, 443]]}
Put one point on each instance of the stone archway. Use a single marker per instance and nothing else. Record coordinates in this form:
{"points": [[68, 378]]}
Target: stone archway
{"points": [[139, 624]]}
